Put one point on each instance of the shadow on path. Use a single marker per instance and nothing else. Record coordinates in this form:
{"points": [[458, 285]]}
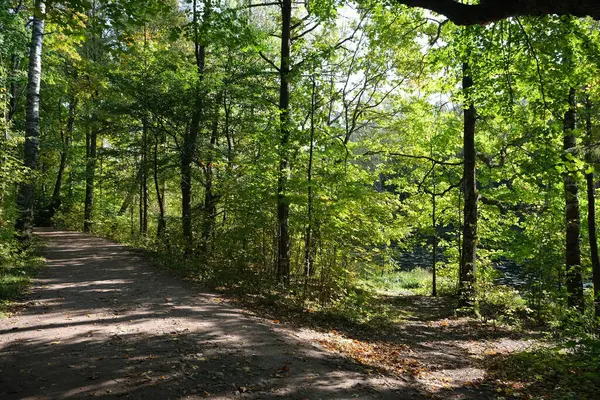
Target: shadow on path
{"points": [[100, 322]]}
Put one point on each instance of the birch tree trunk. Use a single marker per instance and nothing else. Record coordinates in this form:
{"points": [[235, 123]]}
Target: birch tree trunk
{"points": [[25, 198]]}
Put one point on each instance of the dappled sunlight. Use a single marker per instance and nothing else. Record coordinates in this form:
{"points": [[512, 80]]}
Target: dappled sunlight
{"points": [[116, 327], [92, 328], [441, 354]]}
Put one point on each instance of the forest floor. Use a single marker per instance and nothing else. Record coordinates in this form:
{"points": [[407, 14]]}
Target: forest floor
{"points": [[100, 321]]}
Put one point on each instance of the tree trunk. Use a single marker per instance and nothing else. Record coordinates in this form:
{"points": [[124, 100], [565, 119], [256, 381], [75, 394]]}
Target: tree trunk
{"points": [[92, 48], [227, 112], [283, 207], [189, 146], [144, 180], [466, 284], [160, 194], [308, 242], [435, 236], [191, 137], [210, 199], [64, 153], [572, 221], [90, 174], [25, 198], [140, 206], [592, 206]]}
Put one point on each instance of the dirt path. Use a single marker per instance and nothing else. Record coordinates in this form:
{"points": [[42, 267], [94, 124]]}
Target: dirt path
{"points": [[100, 322]]}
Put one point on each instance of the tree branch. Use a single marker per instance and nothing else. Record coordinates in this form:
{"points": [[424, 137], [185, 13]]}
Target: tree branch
{"points": [[269, 61], [247, 6], [488, 11], [433, 160]]}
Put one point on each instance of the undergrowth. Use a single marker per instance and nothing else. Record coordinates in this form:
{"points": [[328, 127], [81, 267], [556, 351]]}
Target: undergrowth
{"points": [[558, 372], [349, 304], [18, 265]]}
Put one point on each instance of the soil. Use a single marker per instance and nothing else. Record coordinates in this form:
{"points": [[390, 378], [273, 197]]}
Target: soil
{"points": [[100, 321]]}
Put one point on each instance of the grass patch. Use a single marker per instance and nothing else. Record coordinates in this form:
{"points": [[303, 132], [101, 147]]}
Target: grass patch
{"points": [[417, 280], [18, 265]]}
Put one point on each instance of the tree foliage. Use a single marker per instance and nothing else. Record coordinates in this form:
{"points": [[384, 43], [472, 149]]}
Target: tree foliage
{"points": [[311, 149]]}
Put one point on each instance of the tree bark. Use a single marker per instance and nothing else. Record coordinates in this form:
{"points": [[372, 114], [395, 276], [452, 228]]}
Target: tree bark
{"points": [[466, 285], [187, 154], [25, 198], [210, 199], [308, 242], [160, 194], [572, 220], [90, 175], [92, 47], [144, 180], [591, 208], [434, 253], [64, 154], [283, 207], [190, 139]]}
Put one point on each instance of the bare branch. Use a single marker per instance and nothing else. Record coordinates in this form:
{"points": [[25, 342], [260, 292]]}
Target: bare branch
{"points": [[269, 61], [247, 6], [317, 24], [433, 160]]}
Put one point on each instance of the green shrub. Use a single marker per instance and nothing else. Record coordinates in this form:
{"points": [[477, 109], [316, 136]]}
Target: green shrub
{"points": [[18, 265], [501, 303], [71, 220]]}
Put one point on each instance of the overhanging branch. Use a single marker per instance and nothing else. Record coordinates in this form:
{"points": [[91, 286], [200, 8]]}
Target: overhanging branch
{"points": [[488, 11]]}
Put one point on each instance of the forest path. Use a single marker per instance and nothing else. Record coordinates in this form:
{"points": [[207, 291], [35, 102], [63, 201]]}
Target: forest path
{"points": [[101, 322]]}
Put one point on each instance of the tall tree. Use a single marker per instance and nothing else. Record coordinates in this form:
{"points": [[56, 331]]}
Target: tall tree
{"points": [[572, 219], [91, 139], [144, 180], [210, 198], [66, 133], [190, 137], [308, 236], [92, 52], [160, 191], [591, 206], [283, 206], [469, 235], [25, 199]]}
